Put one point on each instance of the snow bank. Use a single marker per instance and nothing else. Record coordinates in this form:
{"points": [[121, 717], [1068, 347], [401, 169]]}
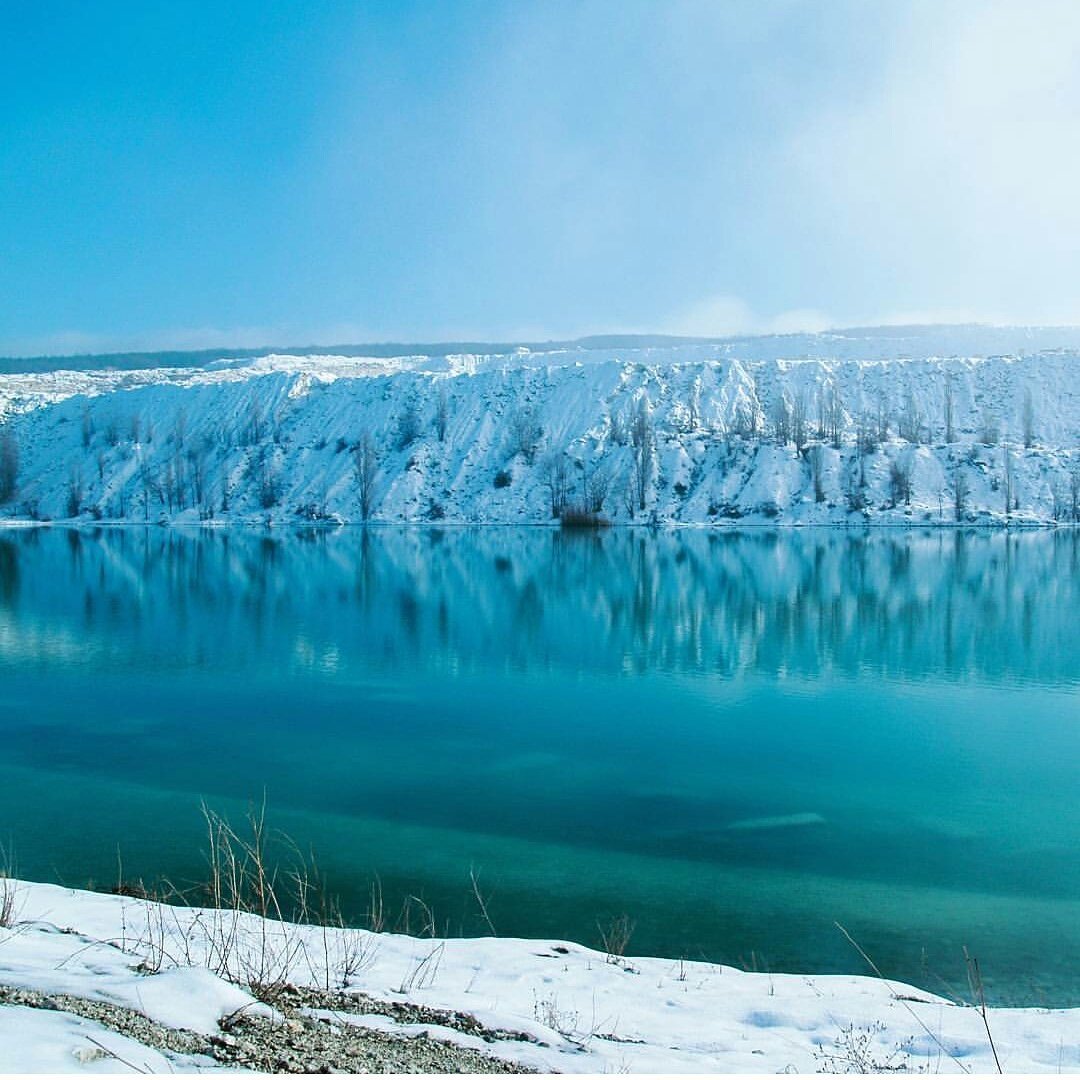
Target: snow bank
{"points": [[575, 1009]]}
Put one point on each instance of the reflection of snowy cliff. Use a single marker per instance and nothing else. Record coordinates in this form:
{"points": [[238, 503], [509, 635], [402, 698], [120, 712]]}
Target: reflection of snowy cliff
{"points": [[509, 439], [954, 604]]}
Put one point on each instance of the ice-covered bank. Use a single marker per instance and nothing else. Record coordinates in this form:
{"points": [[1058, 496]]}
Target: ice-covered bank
{"points": [[92, 982], [682, 435]]}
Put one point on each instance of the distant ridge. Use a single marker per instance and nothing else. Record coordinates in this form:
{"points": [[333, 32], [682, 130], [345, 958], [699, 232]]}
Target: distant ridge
{"points": [[858, 342]]}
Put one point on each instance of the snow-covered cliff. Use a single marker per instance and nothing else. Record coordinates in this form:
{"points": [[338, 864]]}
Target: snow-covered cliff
{"points": [[656, 435]]}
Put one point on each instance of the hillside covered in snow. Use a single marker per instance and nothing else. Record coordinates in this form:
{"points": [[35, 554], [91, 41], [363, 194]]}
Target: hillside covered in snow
{"points": [[670, 432]]}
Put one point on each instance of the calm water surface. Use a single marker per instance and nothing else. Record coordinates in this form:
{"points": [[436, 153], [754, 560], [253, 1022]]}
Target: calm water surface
{"points": [[736, 738]]}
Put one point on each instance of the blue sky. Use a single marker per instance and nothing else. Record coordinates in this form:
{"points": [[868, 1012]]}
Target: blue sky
{"points": [[208, 174]]}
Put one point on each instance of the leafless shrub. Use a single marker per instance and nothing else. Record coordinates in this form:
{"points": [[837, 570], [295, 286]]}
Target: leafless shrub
{"points": [[615, 937], [525, 432], [424, 970], [581, 517], [8, 893], [857, 1050]]}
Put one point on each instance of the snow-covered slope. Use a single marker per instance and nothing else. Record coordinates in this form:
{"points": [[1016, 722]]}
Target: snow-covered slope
{"points": [[551, 1006], [683, 434]]}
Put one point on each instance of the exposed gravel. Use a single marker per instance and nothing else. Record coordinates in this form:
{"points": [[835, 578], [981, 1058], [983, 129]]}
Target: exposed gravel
{"points": [[298, 1043]]}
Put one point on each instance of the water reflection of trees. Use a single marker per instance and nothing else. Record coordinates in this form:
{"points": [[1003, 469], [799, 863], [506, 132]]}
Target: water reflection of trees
{"points": [[709, 601]]}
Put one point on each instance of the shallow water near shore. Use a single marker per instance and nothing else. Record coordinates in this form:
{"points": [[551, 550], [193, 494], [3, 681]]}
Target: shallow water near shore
{"points": [[736, 738]]}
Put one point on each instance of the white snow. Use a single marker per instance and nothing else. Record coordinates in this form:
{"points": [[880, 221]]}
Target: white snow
{"points": [[577, 1010], [271, 439]]}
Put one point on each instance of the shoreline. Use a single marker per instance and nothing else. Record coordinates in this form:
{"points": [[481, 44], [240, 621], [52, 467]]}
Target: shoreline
{"points": [[528, 1004]]}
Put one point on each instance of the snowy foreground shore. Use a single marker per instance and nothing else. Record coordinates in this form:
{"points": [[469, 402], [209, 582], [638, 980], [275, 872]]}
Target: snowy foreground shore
{"points": [[674, 435], [101, 983]]}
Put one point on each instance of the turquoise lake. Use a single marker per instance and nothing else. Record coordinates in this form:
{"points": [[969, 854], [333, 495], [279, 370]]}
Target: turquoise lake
{"points": [[736, 738]]}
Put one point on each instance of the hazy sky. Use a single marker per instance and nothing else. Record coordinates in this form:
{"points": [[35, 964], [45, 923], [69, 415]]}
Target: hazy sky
{"points": [[245, 173]]}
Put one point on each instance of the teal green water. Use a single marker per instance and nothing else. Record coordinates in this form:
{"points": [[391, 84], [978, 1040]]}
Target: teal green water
{"points": [[736, 738]]}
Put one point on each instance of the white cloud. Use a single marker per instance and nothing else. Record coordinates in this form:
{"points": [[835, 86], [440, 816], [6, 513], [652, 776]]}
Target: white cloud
{"points": [[723, 315], [960, 169]]}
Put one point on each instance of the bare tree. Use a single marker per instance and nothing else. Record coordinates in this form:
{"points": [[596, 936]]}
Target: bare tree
{"points": [[830, 415], [882, 418], [950, 431], [618, 428], [1027, 420], [442, 412], [1008, 482], [900, 482], [960, 490], [9, 465], [746, 420], [149, 487], [643, 438], [408, 425], [253, 430], [911, 419], [1057, 496], [597, 485], [781, 420], [555, 474], [800, 425], [196, 473], [816, 458], [86, 426], [180, 429], [75, 491], [866, 441], [989, 429], [856, 487], [1074, 492], [366, 471]]}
